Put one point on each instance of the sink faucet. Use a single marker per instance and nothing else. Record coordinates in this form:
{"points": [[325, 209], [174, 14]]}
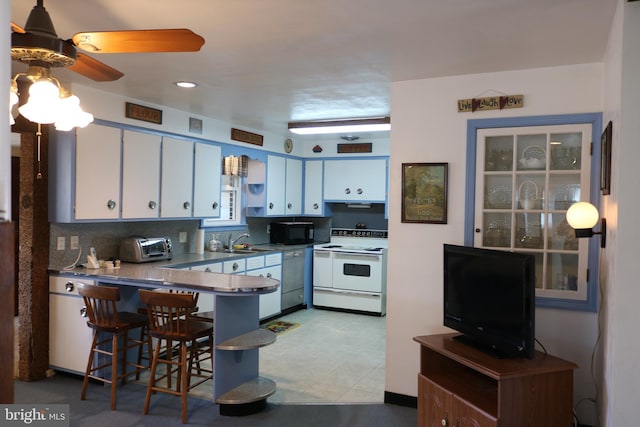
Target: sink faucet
{"points": [[234, 241]]}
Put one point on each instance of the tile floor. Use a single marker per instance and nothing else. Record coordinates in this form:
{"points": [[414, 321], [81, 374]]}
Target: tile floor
{"points": [[332, 357]]}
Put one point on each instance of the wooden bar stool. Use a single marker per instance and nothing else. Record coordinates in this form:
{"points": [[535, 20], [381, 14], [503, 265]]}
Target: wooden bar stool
{"points": [[108, 326], [170, 320]]}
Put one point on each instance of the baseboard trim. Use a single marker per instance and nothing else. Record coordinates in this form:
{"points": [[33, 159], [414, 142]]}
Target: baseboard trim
{"points": [[400, 399]]}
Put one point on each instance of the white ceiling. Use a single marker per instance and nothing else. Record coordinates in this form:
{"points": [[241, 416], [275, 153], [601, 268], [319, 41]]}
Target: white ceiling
{"points": [[267, 62]]}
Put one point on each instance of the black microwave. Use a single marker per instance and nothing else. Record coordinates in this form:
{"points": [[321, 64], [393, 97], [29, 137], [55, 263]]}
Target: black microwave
{"points": [[291, 233]]}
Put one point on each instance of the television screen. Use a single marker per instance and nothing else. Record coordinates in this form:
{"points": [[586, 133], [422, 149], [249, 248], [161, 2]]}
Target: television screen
{"points": [[489, 296]]}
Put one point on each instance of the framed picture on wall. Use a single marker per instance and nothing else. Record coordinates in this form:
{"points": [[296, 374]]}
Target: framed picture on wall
{"points": [[424, 192], [605, 159]]}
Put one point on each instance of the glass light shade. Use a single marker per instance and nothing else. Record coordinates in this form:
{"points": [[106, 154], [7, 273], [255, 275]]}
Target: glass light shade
{"points": [[582, 215], [43, 104], [13, 100], [71, 115]]}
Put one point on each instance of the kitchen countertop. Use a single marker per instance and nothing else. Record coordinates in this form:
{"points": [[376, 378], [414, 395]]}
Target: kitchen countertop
{"points": [[167, 273], [164, 274]]}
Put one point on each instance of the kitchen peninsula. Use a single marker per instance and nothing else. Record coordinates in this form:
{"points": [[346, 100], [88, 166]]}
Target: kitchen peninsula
{"points": [[237, 387]]}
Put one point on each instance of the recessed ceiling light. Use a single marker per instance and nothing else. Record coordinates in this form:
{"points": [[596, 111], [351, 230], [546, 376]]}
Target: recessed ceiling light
{"points": [[186, 84]]}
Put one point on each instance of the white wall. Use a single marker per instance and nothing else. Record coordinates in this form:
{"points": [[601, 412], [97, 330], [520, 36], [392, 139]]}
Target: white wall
{"points": [[426, 127], [622, 86]]}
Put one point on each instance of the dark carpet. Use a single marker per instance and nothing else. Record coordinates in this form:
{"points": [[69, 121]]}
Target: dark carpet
{"points": [[165, 409]]}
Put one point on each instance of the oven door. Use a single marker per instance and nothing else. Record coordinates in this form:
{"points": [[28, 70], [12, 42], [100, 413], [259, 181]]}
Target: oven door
{"points": [[357, 271]]}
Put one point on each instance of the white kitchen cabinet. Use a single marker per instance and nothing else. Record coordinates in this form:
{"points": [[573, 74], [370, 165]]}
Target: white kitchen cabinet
{"points": [[293, 187], [140, 175], [276, 176], [267, 266], [177, 178], [206, 181], [362, 180], [69, 336], [97, 180], [313, 202]]}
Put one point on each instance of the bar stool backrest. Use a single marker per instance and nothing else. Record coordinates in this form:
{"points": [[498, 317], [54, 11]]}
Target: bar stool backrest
{"points": [[101, 304], [169, 313]]}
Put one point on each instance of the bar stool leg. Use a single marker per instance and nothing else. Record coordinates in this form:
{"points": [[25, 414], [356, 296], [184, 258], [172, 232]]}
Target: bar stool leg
{"points": [[85, 382], [183, 383], [114, 369], [152, 377]]}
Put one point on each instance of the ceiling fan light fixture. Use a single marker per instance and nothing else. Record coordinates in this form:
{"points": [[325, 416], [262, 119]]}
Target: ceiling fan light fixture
{"points": [[71, 114], [375, 124], [43, 103]]}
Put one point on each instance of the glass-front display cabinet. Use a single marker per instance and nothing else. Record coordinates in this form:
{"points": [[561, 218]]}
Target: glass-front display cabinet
{"points": [[526, 179]]}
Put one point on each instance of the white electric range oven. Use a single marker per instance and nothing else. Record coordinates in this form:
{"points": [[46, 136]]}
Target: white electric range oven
{"points": [[350, 272]]}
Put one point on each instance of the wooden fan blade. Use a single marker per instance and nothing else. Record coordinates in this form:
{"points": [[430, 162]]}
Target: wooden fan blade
{"points": [[94, 69], [137, 41], [17, 28]]}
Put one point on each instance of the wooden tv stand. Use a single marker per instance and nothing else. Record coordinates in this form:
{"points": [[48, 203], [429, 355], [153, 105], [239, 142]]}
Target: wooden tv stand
{"points": [[461, 386]]}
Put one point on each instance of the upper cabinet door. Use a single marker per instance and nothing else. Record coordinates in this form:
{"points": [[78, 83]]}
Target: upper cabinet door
{"points": [[177, 178], [293, 187], [97, 173], [313, 203], [276, 175], [140, 175], [206, 181], [355, 180], [526, 179]]}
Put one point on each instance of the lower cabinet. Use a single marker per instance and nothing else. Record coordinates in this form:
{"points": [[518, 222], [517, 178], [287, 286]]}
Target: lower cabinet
{"points": [[69, 336], [461, 386]]}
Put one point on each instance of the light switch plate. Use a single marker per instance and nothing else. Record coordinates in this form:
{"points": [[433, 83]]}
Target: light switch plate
{"points": [[183, 237], [61, 243], [74, 243]]}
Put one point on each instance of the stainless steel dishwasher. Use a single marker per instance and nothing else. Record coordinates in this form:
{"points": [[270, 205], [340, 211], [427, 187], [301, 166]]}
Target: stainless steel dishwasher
{"points": [[292, 278]]}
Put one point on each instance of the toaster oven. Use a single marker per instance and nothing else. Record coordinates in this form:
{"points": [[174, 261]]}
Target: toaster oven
{"points": [[143, 249]]}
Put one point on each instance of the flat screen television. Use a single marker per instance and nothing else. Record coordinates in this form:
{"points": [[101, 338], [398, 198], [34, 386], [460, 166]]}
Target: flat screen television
{"points": [[489, 296]]}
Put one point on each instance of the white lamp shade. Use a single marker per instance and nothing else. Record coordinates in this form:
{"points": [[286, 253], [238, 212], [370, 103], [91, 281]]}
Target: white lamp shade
{"points": [[582, 215], [71, 115], [43, 104]]}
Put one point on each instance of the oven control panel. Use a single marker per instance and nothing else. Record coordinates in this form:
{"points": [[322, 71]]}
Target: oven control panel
{"points": [[349, 232]]}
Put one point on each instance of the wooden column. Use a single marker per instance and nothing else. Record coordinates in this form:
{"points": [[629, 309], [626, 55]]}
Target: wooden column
{"points": [[7, 284]]}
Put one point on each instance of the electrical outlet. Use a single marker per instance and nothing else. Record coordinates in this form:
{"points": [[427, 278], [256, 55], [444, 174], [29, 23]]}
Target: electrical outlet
{"points": [[268, 228], [183, 237], [61, 243], [74, 243]]}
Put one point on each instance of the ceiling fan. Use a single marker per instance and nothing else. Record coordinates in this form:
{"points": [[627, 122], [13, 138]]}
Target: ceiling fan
{"points": [[37, 44]]}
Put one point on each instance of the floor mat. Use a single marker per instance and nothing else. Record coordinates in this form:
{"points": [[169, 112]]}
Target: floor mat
{"points": [[280, 326]]}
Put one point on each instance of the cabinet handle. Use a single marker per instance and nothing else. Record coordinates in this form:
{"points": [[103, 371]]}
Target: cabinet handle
{"points": [[347, 191], [152, 204], [214, 205], [83, 312], [111, 205], [270, 205], [289, 205], [186, 205], [445, 420], [315, 206], [477, 230], [69, 287], [359, 191], [269, 275], [235, 266], [207, 270]]}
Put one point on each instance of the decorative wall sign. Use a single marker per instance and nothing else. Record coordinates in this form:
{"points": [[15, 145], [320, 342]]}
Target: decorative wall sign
{"points": [[502, 102], [605, 159], [140, 112], [424, 192], [195, 125], [248, 137], [361, 147]]}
